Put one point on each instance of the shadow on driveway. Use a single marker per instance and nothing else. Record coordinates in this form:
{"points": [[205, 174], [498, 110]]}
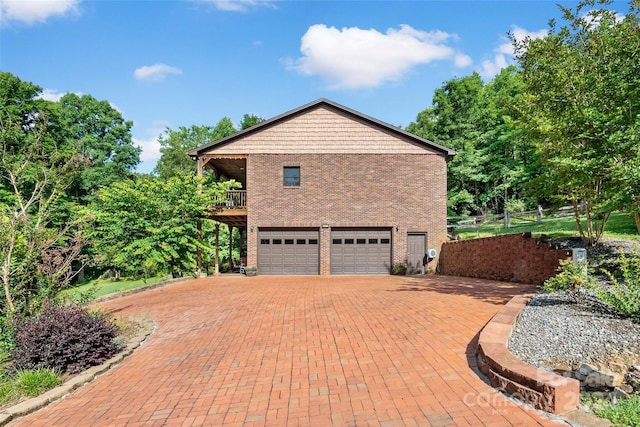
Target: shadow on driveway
{"points": [[498, 293]]}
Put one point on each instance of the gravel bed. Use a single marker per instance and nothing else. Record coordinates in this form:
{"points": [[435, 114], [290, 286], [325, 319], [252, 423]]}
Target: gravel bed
{"points": [[552, 332]]}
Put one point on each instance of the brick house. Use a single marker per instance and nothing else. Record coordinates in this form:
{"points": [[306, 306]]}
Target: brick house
{"points": [[328, 190]]}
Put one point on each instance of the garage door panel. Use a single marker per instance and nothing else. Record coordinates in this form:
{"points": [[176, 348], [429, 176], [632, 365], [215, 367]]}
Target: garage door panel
{"points": [[288, 252], [360, 251]]}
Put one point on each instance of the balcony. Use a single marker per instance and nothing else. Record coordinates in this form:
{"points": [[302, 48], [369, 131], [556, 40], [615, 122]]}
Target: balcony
{"points": [[234, 199], [230, 209]]}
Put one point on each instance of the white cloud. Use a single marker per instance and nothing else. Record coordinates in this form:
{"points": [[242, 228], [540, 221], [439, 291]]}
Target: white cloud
{"points": [[236, 5], [35, 11], [461, 60], [504, 52], [53, 95], [156, 72], [150, 148], [353, 58], [520, 35], [490, 68]]}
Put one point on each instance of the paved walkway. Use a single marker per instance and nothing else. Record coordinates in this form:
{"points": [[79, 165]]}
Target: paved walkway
{"points": [[297, 351]]}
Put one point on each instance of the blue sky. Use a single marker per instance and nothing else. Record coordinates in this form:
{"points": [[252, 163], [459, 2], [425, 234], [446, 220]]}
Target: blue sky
{"points": [[191, 62]]}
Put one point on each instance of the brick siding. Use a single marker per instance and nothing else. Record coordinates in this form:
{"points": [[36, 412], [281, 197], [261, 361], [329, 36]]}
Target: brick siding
{"points": [[512, 257], [407, 191]]}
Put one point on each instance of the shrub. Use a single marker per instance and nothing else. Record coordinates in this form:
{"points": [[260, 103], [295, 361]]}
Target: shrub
{"points": [[515, 206], [399, 270], [65, 338], [624, 297], [572, 278]]}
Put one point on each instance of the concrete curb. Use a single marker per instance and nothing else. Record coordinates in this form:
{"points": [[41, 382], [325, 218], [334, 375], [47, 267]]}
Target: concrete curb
{"points": [[541, 389], [116, 295], [31, 405]]}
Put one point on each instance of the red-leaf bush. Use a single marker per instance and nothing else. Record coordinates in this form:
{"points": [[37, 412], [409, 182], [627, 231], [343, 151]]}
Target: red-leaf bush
{"points": [[66, 338]]}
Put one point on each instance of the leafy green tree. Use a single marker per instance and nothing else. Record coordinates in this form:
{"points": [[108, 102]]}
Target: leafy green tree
{"points": [[149, 224], [174, 145], [452, 121], [495, 159], [102, 137], [582, 105], [511, 158], [38, 245], [249, 120]]}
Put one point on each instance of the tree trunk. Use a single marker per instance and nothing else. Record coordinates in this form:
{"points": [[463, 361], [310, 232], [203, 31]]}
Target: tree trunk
{"points": [[636, 216], [576, 215], [589, 219], [7, 290], [6, 276]]}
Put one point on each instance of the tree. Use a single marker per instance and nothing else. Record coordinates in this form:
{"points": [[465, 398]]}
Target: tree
{"points": [[582, 105], [102, 137], [38, 247], [452, 121], [174, 145], [249, 120], [149, 224], [493, 161], [511, 157]]}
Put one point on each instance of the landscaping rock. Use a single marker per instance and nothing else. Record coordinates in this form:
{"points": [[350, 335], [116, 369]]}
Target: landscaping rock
{"points": [[633, 378], [603, 379], [623, 391], [552, 332]]}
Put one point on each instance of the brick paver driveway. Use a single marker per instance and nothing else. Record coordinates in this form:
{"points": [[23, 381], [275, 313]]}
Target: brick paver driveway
{"points": [[301, 351]]}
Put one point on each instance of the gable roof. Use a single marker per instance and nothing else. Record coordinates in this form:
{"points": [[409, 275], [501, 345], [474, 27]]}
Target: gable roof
{"points": [[322, 102]]}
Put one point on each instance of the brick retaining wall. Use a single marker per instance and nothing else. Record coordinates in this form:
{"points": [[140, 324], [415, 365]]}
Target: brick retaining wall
{"points": [[511, 257]]}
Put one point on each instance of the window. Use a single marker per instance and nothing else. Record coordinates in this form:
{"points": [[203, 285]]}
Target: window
{"points": [[292, 176], [277, 241], [288, 241], [301, 242], [373, 241], [385, 241], [313, 241], [361, 241], [337, 241], [264, 241]]}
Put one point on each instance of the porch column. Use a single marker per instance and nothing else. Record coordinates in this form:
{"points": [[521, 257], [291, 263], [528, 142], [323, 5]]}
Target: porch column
{"points": [[231, 263], [199, 249], [200, 166], [217, 261]]}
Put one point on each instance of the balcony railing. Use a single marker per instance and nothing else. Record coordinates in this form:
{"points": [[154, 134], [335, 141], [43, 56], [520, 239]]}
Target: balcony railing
{"points": [[235, 199]]}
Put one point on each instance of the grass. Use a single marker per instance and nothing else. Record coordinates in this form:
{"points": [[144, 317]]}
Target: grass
{"points": [[34, 382], [624, 413], [620, 226], [28, 383], [99, 287]]}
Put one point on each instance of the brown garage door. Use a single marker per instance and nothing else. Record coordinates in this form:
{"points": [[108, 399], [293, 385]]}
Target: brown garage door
{"points": [[288, 251], [360, 251]]}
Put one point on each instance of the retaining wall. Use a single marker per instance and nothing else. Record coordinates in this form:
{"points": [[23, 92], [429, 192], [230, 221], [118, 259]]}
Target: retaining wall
{"points": [[511, 257], [542, 389]]}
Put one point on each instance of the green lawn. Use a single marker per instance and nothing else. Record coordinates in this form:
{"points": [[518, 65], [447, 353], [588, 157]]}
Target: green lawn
{"points": [[620, 225], [109, 286]]}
